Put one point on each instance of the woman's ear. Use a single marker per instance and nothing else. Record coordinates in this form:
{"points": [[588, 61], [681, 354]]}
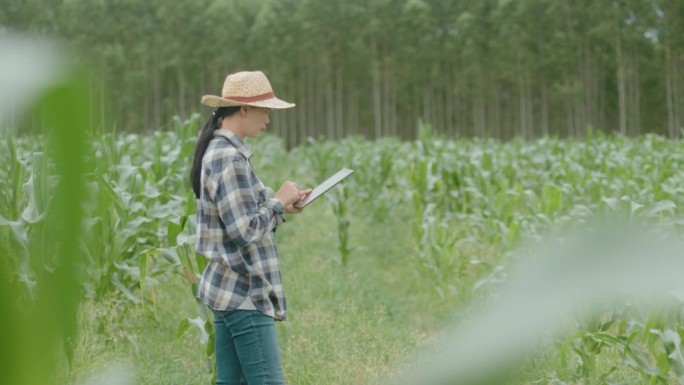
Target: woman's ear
{"points": [[243, 111]]}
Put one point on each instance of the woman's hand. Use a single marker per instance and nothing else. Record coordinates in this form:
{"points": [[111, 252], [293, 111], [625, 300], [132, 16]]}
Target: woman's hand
{"points": [[290, 193], [292, 208]]}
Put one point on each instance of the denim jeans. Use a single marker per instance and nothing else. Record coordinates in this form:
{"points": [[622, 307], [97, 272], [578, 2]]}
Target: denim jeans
{"points": [[247, 349]]}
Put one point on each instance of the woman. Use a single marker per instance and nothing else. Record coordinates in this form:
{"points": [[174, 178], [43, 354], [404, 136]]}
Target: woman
{"points": [[235, 226]]}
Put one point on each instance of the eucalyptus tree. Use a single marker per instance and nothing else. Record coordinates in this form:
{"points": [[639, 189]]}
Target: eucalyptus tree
{"points": [[376, 67], [671, 15]]}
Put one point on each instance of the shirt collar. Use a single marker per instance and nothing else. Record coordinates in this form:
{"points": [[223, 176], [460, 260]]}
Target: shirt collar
{"points": [[236, 141]]}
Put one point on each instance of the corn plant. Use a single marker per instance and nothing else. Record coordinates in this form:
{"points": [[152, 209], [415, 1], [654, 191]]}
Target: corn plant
{"points": [[41, 222], [456, 196], [190, 265]]}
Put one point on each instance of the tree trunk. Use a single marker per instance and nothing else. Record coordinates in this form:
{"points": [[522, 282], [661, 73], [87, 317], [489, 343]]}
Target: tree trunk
{"points": [[461, 113], [480, 111], [352, 102], [602, 119], [157, 100], [544, 107], [103, 83], [633, 87], [530, 109], [385, 104], [377, 106], [589, 105], [181, 92], [290, 128], [637, 98], [393, 111], [301, 112], [621, 85], [495, 121], [669, 95], [339, 105], [677, 105], [580, 98], [311, 104], [426, 105], [448, 104], [569, 111], [330, 105], [522, 115]]}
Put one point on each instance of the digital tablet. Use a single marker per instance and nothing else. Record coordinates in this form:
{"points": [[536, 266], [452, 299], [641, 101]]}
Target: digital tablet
{"points": [[325, 186]]}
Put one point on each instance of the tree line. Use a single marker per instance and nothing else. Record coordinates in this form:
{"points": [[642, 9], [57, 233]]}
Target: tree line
{"points": [[487, 68]]}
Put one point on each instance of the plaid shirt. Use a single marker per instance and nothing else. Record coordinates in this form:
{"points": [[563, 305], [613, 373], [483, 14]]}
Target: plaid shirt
{"points": [[235, 225]]}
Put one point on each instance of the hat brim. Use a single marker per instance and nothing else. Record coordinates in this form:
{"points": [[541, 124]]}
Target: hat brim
{"points": [[217, 101]]}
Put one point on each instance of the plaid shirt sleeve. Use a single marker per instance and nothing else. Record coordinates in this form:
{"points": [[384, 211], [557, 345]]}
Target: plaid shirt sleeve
{"points": [[238, 206]]}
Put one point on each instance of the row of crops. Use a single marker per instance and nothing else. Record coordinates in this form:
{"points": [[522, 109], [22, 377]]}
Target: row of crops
{"points": [[454, 193]]}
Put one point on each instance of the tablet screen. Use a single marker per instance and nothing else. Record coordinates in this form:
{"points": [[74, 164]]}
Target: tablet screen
{"points": [[325, 186]]}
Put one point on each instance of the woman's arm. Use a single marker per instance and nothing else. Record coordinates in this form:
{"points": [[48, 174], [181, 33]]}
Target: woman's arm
{"points": [[238, 207]]}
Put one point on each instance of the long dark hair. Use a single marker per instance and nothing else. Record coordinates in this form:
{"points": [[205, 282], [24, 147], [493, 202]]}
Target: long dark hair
{"points": [[205, 136]]}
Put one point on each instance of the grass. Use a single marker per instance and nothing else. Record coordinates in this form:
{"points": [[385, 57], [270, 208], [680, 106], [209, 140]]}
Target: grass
{"points": [[144, 342], [347, 325], [358, 322], [350, 323]]}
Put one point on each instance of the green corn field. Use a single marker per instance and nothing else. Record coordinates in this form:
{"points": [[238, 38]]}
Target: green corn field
{"points": [[422, 231], [462, 261]]}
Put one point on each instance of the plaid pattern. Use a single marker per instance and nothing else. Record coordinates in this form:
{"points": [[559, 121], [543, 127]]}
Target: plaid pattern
{"points": [[235, 225]]}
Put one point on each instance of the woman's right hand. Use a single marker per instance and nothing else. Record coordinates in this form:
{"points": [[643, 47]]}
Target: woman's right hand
{"points": [[289, 193]]}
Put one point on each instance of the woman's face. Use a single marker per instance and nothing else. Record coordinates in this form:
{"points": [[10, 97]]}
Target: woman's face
{"points": [[256, 120]]}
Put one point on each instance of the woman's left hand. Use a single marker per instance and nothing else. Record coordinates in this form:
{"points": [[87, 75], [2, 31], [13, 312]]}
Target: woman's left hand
{"points": [[292, 209]]}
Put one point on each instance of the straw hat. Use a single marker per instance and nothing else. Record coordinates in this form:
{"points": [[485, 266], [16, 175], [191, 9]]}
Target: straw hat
{"points": [[246, 89]]}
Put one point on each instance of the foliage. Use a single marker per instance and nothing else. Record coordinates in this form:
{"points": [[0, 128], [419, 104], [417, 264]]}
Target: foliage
{"points": [[456, 196], [41, 222], [488, 68]]}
